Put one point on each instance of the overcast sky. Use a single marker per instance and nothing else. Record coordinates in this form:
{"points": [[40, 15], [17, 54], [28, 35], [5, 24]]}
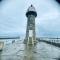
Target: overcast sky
{"points": [[13, 19]]}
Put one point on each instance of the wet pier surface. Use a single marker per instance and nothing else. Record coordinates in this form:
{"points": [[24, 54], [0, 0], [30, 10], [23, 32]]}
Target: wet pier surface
{"points": [[20, 51]]}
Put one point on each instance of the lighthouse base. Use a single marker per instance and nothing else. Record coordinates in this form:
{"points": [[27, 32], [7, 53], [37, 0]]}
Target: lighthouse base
{"points": [[30, 41]]}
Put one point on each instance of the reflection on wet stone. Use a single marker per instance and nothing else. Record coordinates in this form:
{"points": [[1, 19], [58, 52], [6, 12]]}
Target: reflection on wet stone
{"points": [[29, 52]]}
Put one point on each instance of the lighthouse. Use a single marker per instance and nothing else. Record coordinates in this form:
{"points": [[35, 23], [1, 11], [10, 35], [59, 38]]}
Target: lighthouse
{"points": [[31, 14]]}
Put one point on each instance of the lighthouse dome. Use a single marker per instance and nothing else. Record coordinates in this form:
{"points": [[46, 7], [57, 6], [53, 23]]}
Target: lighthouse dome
{"points": [[31, 8], [31, 11]]}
